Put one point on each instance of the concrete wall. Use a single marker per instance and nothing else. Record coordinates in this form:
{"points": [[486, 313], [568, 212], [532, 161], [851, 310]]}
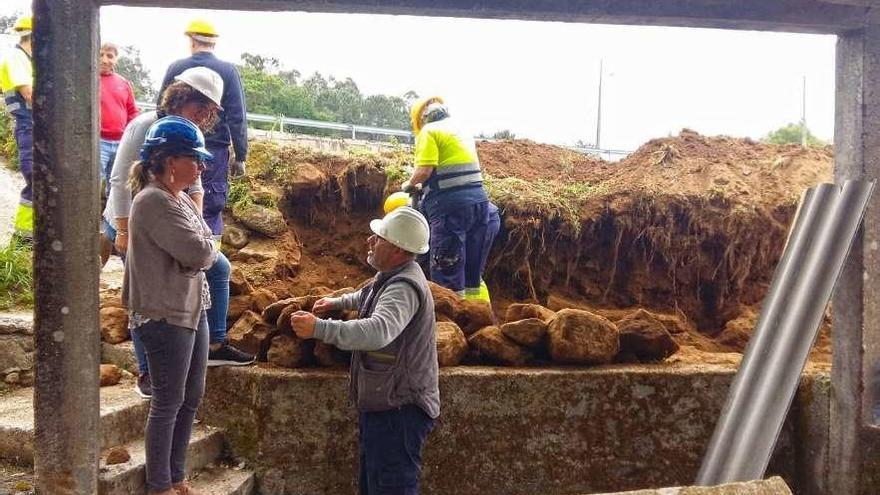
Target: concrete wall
{"points": [[510, 431]]}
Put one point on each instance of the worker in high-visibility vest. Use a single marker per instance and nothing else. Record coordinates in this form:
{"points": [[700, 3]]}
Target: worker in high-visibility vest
{"points": [[17, 82], [453, 199]]}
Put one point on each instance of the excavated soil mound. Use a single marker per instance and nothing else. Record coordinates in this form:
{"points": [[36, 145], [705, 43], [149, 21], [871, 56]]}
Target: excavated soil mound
{"points": [[688, 226], [688, 222]]}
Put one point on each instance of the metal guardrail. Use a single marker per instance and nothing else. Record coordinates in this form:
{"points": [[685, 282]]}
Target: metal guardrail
{"points": [[354, 129], [282, 121]]}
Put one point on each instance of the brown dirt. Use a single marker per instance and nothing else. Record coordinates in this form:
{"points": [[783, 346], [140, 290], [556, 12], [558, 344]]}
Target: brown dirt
{"points": [[689, 227]]}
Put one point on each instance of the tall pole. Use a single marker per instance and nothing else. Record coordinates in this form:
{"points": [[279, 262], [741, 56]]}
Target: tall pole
{"points": [[599, 108], [66, 262], [804, 115]]}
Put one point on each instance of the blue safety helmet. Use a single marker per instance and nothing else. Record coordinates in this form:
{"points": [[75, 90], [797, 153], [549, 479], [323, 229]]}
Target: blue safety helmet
{"points": [[176, 135]]}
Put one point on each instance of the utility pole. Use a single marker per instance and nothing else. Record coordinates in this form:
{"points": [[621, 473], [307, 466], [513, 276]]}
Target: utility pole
{"points": [[599, 107], [804, 114]]}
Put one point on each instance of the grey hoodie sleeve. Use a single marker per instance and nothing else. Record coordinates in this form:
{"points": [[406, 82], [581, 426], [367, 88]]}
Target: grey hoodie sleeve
{"points": [[347, 302], [128, 152], [395, 308]]}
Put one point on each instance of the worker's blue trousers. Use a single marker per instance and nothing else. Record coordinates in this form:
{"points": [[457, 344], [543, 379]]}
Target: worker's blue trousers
{"points": [[215, 180], [24, 139], [460, 243], [390, 447]]}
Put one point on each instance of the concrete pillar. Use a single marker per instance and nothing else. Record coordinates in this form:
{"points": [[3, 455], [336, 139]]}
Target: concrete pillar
{"points": [[66, 401], [856, 302]]}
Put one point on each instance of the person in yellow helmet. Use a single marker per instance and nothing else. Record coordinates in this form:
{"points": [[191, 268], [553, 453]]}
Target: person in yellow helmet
{"points": [[231, 128], [16, 82], [462, 219]]}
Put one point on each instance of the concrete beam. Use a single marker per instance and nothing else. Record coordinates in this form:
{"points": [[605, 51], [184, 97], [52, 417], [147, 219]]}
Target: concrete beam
{"points": [[810, 16], [856, 307], [66, 266]]}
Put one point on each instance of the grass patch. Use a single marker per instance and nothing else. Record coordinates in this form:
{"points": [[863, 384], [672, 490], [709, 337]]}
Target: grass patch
{"points": [[16, 276], [551, 199], [8, 148]]}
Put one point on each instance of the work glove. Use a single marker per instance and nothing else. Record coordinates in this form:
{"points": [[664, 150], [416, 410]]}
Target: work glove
{"points": [[409, 188], [237, 169]]}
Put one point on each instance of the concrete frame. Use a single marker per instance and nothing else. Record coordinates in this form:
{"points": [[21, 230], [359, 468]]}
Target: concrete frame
{"points": [[67, 206]]}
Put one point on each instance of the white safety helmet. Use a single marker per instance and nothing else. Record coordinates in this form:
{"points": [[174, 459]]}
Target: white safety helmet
{"points": [[404, 227], [205, 81]]}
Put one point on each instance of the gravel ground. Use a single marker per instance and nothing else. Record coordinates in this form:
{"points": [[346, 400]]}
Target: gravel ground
{"points": [[10, 187]]}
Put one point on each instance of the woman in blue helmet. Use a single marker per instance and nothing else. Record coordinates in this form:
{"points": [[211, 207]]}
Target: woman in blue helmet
{"points": [[169, 249]]}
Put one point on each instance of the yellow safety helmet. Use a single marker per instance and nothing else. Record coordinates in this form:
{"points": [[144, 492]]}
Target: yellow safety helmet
{"points": [[395, 201], [24, 25], [415, 113], [201, 30]]}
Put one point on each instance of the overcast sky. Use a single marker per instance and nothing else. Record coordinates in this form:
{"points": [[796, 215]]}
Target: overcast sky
{"points": [[538, 79]]}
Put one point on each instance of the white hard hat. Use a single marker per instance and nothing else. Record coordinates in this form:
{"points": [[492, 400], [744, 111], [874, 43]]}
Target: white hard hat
{"points": [[404, 227], [205, 80]]}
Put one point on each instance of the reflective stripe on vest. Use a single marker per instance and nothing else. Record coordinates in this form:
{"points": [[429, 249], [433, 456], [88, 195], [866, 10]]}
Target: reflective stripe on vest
{"points": [[452, 176]]}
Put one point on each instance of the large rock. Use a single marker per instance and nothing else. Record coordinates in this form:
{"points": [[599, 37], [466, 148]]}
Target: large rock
{"points": [[530, 332], [273, 311], [555, 302], [446, 302], [237, 306], [249, 333], [289, 255], [328, 355], [110, 375], [266, 221], [521, 311], [581, 337], [235, 237], [283, 322], [452, 345], [239, 285], [257, 251], [492, 344], [114, 325], [474, 315], [645, 336], [306, 179], [263, 298], [738, 331], [288, 352]]}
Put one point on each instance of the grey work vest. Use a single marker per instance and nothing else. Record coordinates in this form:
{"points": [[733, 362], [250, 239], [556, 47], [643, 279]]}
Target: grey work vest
{"points": [[405, 371]]}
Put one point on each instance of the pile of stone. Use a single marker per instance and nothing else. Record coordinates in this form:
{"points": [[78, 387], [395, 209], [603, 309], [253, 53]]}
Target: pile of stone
{"points": [[467, 331]]}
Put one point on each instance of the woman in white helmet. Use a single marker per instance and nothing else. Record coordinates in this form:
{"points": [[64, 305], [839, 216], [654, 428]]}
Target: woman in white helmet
{"points": [[195, 95]]}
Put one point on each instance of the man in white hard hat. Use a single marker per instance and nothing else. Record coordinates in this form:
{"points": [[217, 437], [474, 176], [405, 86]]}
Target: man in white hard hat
{"points": [[231, 128], [394, 363], [195, 95]]}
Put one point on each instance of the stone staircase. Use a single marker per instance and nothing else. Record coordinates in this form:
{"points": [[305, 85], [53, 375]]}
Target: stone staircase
{"points": [[123, 416]]}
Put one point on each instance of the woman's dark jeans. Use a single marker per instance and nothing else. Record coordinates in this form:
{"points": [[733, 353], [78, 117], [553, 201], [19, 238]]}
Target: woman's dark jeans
{"points": [[178, 358]]}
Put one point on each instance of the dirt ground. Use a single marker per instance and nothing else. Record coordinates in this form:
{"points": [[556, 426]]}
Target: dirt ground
{"points": [[690, 227]]}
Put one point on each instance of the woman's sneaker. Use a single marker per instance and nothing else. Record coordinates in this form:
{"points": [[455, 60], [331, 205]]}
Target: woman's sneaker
{"points": [[227, 355], [144, 387]]}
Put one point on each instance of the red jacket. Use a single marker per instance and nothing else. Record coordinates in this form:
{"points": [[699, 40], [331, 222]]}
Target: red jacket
{"points": [[117, 106]]}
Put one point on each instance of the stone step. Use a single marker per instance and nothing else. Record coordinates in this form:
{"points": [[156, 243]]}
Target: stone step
{"points": [[123, 415], [215, 480], [122, 355], [205, 447]]}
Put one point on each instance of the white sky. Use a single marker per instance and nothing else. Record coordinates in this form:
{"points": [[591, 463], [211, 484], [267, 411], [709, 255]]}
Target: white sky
{"points": [[538, 79]]}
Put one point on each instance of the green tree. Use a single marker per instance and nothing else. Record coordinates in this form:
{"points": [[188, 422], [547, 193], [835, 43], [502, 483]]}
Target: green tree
{"points": [[129, 66], [792, 133], [7, 21]]}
